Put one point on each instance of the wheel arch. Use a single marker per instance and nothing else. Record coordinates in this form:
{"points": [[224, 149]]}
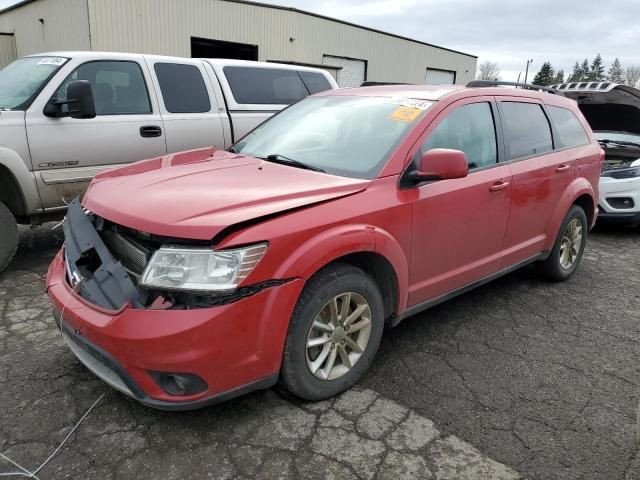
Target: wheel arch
{"points": [[369, 248], [11, 193], [586, 202], [579, 192], [17, 185]]}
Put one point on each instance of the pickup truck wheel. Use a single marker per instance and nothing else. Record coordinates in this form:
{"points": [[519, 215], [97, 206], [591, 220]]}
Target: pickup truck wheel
{"points": [[568, 247], [8, 236], [334, 333]]}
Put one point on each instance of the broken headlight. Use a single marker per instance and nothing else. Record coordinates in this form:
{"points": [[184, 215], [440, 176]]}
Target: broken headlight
{"points": [[201, 269]]}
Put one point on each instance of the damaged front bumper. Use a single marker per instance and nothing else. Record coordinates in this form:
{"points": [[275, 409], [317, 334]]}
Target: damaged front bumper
{"points": [[99, 277], [232, 348]]}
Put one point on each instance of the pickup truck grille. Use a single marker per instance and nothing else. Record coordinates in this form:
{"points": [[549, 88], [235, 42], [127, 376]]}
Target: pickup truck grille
{"points": [[131, 254]]}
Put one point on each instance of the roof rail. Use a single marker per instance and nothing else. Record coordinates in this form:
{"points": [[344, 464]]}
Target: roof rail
{"points": [[498, 83], [376, 84]]}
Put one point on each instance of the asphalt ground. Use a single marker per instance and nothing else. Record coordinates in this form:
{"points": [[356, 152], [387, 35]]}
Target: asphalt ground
{"points": [[517, 378]]}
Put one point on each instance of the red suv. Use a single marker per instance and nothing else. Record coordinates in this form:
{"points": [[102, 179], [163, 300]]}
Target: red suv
{"points": [[196, 277]]}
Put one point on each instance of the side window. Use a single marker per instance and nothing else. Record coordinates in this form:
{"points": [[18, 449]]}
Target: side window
{"points": [[469, 128], [527, 130], [315, 82], [569, 128], [183, 88], [118, 87], [268, 86]]}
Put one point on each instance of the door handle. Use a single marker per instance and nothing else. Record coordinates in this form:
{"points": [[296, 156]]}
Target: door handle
{"points": [[563, 168], [499, 186], [150, 131]]}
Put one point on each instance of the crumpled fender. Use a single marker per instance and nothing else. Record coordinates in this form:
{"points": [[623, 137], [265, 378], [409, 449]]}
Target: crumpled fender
{"points": [[575, 189], [26, 182], [343, 240]]}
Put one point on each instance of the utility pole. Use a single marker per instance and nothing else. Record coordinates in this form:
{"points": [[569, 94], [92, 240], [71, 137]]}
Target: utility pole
{"points": [[526, 72]]}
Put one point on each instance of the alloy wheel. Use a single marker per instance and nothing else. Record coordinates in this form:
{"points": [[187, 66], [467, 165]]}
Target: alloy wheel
{"points": [[338, 336], [571, 243]]}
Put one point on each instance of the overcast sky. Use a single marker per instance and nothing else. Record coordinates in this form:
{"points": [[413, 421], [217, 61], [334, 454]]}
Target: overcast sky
{"points": [[508, 32]]}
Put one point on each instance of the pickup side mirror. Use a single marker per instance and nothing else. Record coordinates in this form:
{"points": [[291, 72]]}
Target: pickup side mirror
{"points": [[80, 103], [441, 164]]}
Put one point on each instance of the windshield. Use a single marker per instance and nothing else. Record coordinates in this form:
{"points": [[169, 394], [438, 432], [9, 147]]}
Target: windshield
{"points": [[617, 136], [342, 135], [23, 79]]}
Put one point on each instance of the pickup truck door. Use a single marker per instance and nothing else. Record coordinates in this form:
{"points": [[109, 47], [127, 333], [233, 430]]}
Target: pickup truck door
{"points": [[191, 104], [66, 152]]}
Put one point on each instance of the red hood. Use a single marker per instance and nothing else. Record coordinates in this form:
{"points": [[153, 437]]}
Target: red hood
{"points": [[198, 193]]}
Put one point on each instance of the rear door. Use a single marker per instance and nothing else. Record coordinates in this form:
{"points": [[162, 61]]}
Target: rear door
{"points": [[541, 174], [191, 110], [67, 152], [459, 225]]}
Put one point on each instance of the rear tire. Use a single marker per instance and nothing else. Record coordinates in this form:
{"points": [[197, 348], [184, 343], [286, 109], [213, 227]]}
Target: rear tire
{"points": [[566, 254], [340, 312], [8, 236]]}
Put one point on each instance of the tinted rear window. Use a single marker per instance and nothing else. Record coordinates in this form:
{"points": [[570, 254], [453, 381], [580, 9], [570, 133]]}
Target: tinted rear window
{"points": [[269, 86], [527, 130], [569, 128], [315, 82], [183, 88]]}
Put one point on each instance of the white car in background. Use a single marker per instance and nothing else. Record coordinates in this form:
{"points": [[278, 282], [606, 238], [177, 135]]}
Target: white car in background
{"points": [[613, 111]]}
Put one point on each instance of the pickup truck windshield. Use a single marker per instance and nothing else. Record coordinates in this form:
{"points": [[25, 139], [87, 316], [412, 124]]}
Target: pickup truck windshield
{"points": [[342, 135], [23, 79]]}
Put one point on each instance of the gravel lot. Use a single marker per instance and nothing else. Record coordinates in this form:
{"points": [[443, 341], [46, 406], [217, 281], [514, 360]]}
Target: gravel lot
{"points": [[517, 376]]}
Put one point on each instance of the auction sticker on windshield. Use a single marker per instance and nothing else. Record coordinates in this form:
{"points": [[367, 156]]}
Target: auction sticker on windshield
{"points": [[405, 114], [52, 61], [411, 102]]}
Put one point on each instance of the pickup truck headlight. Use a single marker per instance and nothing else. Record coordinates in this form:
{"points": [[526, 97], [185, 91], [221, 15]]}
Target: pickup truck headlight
{"points": [[201, 269], [622, 173]]}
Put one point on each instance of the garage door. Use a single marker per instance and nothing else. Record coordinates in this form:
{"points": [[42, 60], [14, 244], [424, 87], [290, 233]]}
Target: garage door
{"points": [[352, 73], [440, 77]]}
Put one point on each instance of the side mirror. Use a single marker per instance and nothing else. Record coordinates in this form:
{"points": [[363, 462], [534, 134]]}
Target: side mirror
{"points": [[80, 103], [441, 164]]}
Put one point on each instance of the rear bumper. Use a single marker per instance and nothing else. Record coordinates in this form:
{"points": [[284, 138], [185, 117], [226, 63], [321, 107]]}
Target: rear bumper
{"points": [[235, 348]]}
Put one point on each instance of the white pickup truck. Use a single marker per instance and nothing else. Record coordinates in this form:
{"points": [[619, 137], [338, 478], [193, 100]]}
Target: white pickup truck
{"points": [[66, 116]]}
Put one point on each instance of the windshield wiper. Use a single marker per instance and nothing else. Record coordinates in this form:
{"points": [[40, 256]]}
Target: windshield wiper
{"points": [[622, 143], [277, 158]]}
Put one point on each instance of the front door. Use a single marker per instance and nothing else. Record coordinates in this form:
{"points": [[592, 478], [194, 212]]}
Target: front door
{"points": [[67, 152], [459, 225]]}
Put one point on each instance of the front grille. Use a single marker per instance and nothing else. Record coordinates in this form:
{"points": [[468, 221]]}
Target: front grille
{"points": [[131, 254]]}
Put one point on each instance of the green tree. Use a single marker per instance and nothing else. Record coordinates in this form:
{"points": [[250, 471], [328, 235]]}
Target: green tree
{"points": [[585, 70], [596, 72], [559, 78], [616, 73], [576, 74], [545, 75]]}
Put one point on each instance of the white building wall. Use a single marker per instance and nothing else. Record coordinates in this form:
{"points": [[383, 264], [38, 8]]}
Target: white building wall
{"points": [[165, 27], [64, 26]]}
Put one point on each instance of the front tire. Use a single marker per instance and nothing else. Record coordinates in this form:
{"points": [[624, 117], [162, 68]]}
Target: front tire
{"points": [[334, 333], [8, 236], [568, 248]]}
